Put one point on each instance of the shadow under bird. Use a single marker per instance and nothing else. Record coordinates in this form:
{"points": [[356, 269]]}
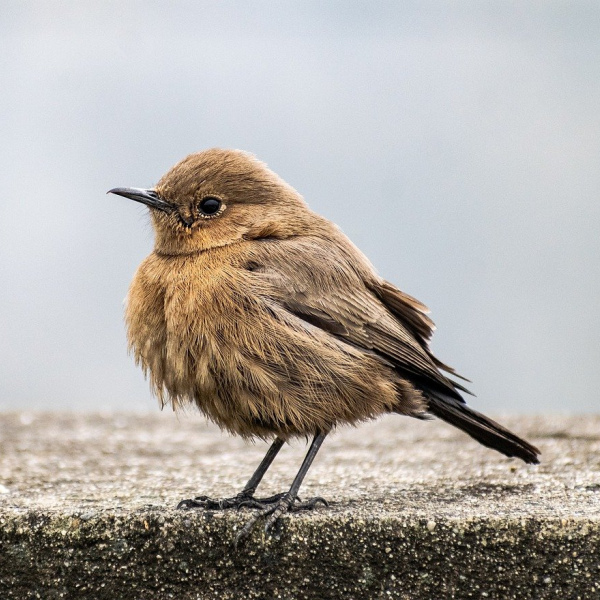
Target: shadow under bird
{"points": [[265, 316]]}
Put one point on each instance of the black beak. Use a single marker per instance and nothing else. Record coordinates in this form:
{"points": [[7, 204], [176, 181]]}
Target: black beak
{"points": [[148, 197]]}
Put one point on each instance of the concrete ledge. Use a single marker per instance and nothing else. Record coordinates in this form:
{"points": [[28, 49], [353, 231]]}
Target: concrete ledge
{"points": [[418, 511]]}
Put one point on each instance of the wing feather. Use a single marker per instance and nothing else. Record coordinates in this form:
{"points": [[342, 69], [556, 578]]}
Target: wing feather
{"points": [[319, 283]]}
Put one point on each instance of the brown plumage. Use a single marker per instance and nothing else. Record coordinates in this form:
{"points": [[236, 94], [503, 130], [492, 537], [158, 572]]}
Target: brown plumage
{"points": [[266, 317]]}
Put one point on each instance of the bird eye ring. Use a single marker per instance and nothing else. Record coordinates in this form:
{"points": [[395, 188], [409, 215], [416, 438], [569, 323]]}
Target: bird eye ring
{"points": [[210, 207]]}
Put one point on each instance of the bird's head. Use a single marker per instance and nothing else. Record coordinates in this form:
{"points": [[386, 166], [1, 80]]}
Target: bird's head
{"points": [[218, 197]]}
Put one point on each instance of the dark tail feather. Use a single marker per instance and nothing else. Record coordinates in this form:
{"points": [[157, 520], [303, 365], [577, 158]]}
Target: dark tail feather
{"points": [[484, 430]]}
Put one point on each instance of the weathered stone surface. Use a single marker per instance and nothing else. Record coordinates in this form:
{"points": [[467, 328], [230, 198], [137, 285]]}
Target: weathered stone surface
{"points": [[418, 510]]}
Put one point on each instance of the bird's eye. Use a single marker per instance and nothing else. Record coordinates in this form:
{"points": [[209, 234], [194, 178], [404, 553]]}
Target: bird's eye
{"points": [[209, 206]]}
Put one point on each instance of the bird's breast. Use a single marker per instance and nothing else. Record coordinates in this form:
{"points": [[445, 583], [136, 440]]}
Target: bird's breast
{"points": [[173, 307]]}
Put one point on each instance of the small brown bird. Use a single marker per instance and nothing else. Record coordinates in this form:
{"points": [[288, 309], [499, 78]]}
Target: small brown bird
{"points": [[266, 317]]}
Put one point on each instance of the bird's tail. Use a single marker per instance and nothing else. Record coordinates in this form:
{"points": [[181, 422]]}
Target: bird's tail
{"points": [[478, 426]]}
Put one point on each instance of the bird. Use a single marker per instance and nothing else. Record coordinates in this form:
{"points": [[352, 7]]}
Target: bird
{"points": [[267, 318]]}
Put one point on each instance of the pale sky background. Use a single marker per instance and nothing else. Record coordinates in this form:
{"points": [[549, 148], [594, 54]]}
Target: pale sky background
{"points": [[456, 143]]}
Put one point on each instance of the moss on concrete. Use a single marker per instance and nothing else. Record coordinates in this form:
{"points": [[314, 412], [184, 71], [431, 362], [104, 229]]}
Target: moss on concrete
{"points": [[151, 554]]}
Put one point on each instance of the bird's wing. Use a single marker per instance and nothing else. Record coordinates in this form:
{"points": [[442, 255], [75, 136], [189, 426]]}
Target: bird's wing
{"points": [[405, 308], [324, 286], [414, 315]]}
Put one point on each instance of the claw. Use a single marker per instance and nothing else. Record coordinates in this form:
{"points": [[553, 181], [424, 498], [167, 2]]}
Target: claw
{"points": [[251, 503], [245, 531], [203, 499], [188, 504], [213, 503], [276, 513], [261, 503], [273, 499], [242, 500], [309, 504], [283, 503]]}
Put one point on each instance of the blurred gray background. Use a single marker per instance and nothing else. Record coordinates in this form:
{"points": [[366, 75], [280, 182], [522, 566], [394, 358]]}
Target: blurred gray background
{"points": [[456, 143]]}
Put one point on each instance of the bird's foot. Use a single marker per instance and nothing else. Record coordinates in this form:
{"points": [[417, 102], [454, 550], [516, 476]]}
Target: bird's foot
{"points": [[242, 499], [278, 505]]}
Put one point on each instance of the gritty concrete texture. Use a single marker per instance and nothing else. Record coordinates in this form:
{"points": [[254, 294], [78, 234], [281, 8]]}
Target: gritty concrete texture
{"points": [[418, 510]]}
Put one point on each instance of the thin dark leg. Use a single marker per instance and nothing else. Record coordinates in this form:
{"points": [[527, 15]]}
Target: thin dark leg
{"points": [[306, 463], [247, 493], [287, 501], [263, 467]]}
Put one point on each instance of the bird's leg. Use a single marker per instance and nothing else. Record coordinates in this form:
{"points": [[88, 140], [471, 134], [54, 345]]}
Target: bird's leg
{"points": [[285, 502], [247, 493]]}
